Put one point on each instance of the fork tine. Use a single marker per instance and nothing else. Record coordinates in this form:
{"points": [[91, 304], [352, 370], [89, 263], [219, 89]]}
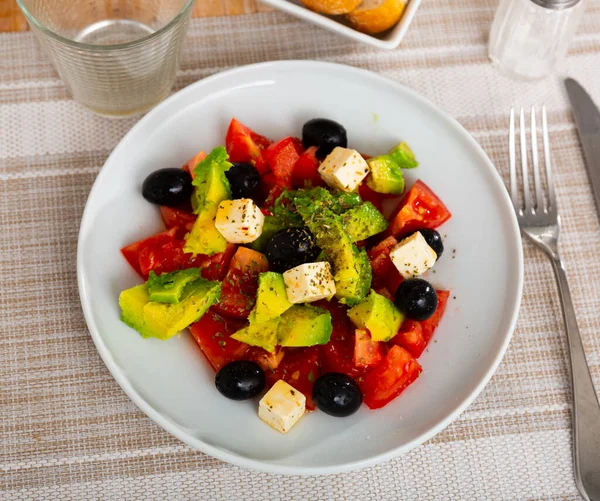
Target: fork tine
{"points": [[549, 177], [539, 195], [512, 157], [524, 166]]}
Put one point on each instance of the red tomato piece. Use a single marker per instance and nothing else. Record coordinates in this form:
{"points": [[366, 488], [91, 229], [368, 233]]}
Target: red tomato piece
{"points": [[212, 333], [410, 337], [281, 158], [390, 378], [420, 208], [268, 361], [216, 266], [273, 195], [385, 274], [243, 144], [238, 292], [338, 354], [169, 257], [299, 368], [382, 291], [177, 218], [132, 251], [306, 170], [190, 166], [430, 325], [367, 353]]}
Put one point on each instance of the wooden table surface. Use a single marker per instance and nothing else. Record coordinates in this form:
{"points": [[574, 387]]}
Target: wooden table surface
{"points": [[11, 18]]}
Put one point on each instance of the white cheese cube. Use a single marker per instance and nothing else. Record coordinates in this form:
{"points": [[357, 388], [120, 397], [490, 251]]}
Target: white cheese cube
{"points": [[344, 169], [413, 256], [282, 406], [239, 221], [309, 282]]}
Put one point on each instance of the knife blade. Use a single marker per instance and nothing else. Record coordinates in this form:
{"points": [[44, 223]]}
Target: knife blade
{"points": [[587, 118]]}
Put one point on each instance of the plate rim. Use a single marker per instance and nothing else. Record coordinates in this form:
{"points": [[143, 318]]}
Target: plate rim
{"points": [[238, 459]]}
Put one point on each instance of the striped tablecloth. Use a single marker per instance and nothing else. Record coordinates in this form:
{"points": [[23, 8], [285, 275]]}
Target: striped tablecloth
{"points": [[68, 432]]}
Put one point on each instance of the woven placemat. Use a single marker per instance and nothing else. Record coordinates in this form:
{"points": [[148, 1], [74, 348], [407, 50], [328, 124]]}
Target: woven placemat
{"points": [[68, 432]]}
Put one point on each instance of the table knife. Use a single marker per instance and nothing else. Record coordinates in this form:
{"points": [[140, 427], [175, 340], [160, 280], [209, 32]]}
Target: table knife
{"points": [[587, 118]]}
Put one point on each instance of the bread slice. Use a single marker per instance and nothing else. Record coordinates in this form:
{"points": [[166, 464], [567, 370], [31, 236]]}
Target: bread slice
{"points": [[375, 16], [331, 7]]}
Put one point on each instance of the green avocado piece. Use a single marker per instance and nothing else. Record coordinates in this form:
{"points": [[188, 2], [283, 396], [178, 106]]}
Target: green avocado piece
{"points": [[132, 302], [263, 335], [211, 188], [163, 320], [352, 278], [272, 225], [403, 156], [204, 239], [304, 326], [168, 287], [271, 298], [377, 314], [211, 184], [364, 221], [385, 175]]}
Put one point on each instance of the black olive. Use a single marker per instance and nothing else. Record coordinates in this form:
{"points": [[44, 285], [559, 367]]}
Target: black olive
{"points": [[324, 133], [240, 380], [337, 394], [417, 299], [171, 187], [243, 179], [434, 240], [290, 248]]}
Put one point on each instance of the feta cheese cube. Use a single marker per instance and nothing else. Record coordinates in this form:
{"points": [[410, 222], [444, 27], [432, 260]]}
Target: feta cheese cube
{"points": [[239, 221], [282, 406], [344, 169], [309, 282], [413, 256]]}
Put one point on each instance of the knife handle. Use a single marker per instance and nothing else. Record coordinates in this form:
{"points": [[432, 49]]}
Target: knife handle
{"points": [[586, 409]]}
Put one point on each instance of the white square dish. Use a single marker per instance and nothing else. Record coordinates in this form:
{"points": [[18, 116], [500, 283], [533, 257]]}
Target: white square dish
{"points": [[389, 39]]}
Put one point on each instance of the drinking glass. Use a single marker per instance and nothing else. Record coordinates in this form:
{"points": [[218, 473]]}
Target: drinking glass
{"points": [[117, 57]]}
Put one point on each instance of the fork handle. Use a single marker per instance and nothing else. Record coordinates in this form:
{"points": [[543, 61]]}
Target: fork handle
{"points": [[586, 409]]}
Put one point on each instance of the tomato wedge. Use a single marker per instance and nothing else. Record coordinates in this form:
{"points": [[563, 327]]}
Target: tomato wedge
{"points": [[281, 157], [431, 324], [299, 368], [410, 337], [177, 218], [212, 334], [367, 353], [238, 292], [306, 170], [132, 251], [390, 378], [385, 274], [420, 208], [243, 144], [190, 165]]}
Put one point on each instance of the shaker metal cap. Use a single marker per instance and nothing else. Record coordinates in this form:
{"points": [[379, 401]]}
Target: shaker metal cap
{"points": [[556, 4]]}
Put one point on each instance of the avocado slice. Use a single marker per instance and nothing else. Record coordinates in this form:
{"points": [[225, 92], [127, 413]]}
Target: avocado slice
{"points": [[403, 156], [211, 188], [377, 314], [385, 175], [352, 275], [168, 287], [271, 298], [304, 326], [364, 221], [204, 239], [263, 335], [162, 320], [272, 225]]}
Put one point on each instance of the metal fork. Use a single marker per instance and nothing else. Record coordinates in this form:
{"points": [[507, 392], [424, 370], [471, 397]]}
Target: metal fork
{"points": [[539, 220]]}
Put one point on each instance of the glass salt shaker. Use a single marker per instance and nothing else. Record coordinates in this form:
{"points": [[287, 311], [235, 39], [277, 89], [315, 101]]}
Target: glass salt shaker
{"points": [[530, 37]]}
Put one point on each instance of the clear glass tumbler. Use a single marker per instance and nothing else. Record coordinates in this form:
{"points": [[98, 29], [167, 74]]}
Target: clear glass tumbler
{"points": [[117, 57]]}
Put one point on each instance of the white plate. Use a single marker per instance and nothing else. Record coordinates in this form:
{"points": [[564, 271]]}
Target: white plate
{"points": [[389, 39], [173, 383]]}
